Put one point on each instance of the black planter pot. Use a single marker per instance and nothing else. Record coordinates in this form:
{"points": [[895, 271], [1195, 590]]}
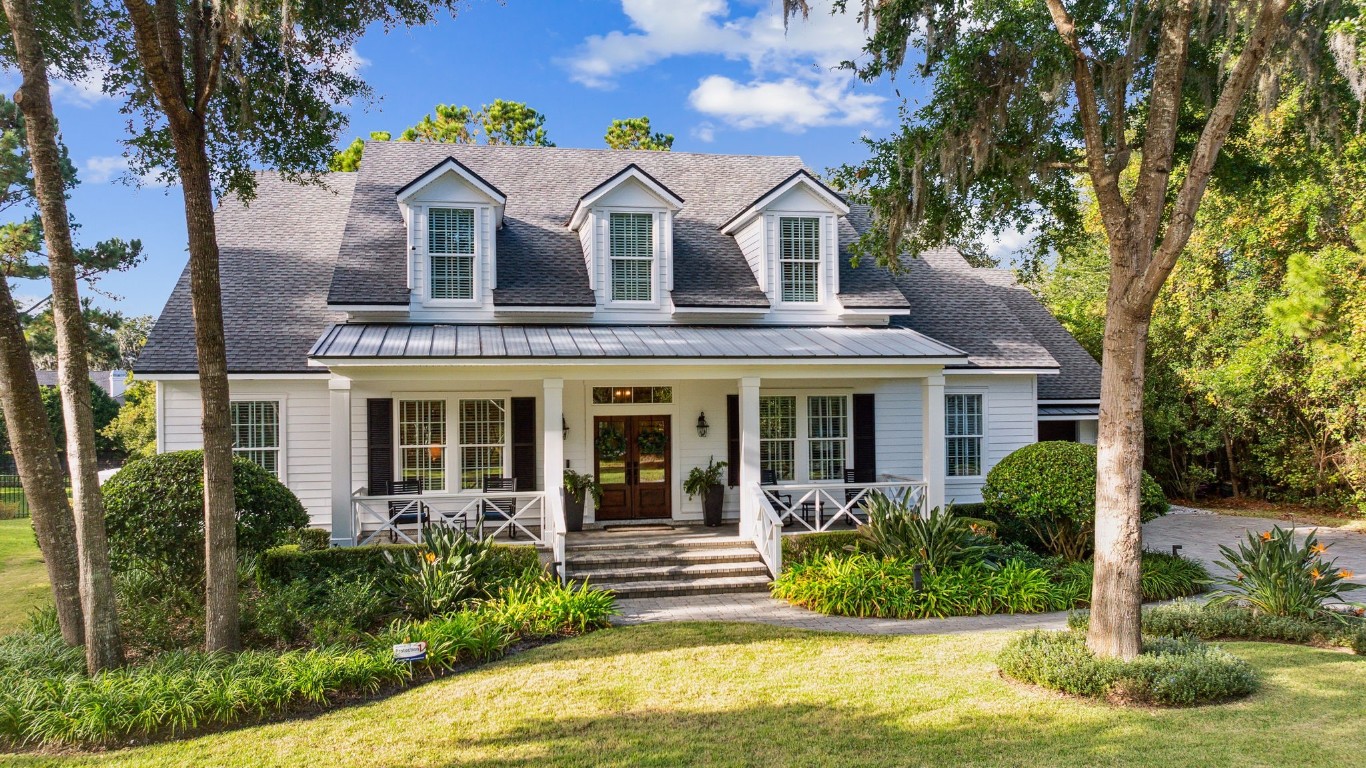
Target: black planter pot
{"points": [[573, 513], [711, 505]]}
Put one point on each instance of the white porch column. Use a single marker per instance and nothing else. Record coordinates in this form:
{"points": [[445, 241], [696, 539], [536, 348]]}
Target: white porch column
{"points": [[932, 450], [749, 453], [339, 411], [552, 437]]}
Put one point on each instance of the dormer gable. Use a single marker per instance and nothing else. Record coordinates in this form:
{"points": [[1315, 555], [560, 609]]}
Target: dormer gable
{"points": [[451, 215], [625, 226], [790, 238]]}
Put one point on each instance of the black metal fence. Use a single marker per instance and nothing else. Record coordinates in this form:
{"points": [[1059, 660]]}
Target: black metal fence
{"points": [[13, 503]]}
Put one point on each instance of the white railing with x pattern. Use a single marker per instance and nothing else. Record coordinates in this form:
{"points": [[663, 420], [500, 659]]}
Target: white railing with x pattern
{"points": [[768, 532], [487, 515]]}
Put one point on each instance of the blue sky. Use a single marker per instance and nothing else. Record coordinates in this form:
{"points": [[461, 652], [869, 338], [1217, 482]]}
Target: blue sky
{"points": [[722, 77]]}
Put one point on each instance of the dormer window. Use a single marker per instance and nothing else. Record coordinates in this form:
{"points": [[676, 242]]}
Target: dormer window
{"points": [[799, 259], [450, 253], [632, 254]]}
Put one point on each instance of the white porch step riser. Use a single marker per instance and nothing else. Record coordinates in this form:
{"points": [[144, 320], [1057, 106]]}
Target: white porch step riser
{"points": [[669, 573], [645, 545], [662, 557], [629, 590]]}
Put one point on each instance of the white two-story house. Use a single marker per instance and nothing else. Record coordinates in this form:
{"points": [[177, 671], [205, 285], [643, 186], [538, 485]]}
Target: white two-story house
{"points": [[452, 313]]}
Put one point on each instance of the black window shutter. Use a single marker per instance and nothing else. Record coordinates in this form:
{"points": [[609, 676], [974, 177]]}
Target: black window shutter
{"points": [[865, 440], [524, 443], [732, 440], [379, 444]]}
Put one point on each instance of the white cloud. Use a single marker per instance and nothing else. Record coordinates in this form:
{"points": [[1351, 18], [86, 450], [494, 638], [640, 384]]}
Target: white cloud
{"points": [[704, 132], [792, 70], [114, 168], [1004, 247], [352, 62], [790, 103], [86, 91]]}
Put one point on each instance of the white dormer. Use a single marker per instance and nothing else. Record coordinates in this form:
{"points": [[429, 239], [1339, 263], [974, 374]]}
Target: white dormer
{"points": [[790, 237], [452, 216], [625, 225]]}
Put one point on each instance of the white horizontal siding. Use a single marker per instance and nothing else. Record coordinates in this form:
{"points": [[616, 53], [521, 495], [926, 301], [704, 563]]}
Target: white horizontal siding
{"points": [[1011, 423], [308, 470]]}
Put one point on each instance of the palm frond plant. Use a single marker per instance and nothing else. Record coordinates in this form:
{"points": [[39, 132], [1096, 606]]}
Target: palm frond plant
{"points": [[450, 568], [1273, 573], [938, 539]]}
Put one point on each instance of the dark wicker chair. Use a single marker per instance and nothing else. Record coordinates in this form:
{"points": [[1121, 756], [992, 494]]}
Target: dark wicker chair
{"points": [[499, 509], [406, 511]]}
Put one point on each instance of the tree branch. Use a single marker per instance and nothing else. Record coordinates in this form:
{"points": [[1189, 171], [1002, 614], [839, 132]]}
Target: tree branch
{"points": [[1155, 170], [167, 78], [1182, 221], [1103, 178]]}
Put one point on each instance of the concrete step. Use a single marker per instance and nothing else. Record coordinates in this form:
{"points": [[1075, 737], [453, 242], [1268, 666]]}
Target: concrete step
{"points": [[660, 556], [667, 572], [640, 543], [671, 587]]}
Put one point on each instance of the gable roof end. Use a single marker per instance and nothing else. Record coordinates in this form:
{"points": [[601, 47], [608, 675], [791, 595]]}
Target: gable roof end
{"points": [[801, 177], [631, 171], [450, 164]]}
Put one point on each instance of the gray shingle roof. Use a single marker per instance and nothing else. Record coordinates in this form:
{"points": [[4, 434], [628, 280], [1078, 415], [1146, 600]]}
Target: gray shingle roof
{"points": [[540, 261], [361, 341], [276, 263], [1079, 374]]}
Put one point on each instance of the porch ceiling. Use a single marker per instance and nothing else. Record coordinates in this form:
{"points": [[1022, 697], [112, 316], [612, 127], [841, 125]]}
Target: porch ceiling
{"points": [[397, 341]]}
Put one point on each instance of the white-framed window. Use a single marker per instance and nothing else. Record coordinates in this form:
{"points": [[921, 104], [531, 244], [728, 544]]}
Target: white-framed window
{"points": [[631, 256], [827, 435], [483, 441], [963, 432], [778, 435], [450, 254], [256, 432], [422, 442], [799, 259]]}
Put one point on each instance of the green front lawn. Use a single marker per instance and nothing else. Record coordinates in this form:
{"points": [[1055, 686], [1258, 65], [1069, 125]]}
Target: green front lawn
{"points": [[734, 694], [21, 572]]}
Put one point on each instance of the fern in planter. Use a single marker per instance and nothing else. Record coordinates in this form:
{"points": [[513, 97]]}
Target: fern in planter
{"points": [[702, 479], [580, 486]]}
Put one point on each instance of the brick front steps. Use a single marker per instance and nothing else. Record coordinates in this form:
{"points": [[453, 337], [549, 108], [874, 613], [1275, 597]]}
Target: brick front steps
{"points": [[667, 564]]}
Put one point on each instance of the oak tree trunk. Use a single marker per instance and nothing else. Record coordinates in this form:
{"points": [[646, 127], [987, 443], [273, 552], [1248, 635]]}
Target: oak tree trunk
{"points": [[103, 649], [220, 508], [40, 472]]}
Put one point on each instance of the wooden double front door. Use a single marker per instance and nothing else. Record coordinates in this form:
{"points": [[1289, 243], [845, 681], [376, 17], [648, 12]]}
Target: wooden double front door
{"points": [[631, 459]]}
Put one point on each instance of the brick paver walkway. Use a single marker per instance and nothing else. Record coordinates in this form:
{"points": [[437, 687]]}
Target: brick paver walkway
{"points": [[1199, 535]]}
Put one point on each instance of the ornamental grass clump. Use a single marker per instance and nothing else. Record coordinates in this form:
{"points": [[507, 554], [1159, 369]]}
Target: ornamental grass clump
{"points": [[1169, 672], [1162, 576], [937, 539], [1273, 573], [1330, 629]]}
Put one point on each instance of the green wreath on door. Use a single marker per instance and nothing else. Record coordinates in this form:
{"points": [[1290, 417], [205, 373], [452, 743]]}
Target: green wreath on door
{"points": [[652, 442], [611, 444]]}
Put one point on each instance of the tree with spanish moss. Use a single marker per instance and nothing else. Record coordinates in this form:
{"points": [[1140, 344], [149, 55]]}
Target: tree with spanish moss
{"points": [[1137, 98]]}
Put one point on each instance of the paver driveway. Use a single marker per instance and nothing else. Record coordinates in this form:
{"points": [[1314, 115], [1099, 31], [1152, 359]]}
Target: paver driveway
{"points": [[1198, 533]]}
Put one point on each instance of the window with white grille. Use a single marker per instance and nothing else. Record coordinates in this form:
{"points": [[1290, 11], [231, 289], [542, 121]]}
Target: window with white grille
{"points": [[631, 253], [422, 442], [827, 435], [256, 432], [450, 252], [799, 259], [778, 435], [483, 431], [963, 435]]}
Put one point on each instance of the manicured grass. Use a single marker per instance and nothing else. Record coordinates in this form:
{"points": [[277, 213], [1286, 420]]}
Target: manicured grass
{"points": [[21, 572], [735, 694]]}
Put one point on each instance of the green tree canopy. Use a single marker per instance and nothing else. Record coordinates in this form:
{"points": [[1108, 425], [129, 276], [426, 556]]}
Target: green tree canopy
{"points": [[634, 133], [502, 122]]}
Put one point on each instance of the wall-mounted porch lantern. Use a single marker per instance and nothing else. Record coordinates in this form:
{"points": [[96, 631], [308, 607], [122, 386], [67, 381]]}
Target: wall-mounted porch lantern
{"points": [[702, 425], [564, 425]]}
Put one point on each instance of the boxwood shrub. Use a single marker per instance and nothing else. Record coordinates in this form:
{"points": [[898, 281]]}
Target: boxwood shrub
{"points": [[814, 546], [1049, 488], [1169, 672], [154, 509], [1232, 622]]}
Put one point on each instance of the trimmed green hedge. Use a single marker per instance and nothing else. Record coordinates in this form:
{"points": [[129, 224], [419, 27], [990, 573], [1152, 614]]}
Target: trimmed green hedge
{"points": [[811, 546], [291, 562], [1170, 671], [1231, 622]]}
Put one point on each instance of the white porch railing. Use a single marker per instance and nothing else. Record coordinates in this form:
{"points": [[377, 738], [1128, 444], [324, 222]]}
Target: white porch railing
{"points": [[489, 515], [809, 508]]}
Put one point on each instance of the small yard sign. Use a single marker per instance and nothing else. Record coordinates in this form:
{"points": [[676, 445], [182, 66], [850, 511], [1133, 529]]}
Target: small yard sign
{"points": [[410, 652]]}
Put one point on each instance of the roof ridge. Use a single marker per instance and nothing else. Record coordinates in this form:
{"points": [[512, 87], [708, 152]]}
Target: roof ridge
{"points": [[536, 148]]}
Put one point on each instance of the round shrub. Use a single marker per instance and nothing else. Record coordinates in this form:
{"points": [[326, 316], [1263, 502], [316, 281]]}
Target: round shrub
{"points": [[1049, 488], [154, 509], [1170, 671]]}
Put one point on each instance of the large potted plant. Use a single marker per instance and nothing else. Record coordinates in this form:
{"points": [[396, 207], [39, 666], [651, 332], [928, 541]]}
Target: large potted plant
{"points": [[706, 482], [577, 488]]}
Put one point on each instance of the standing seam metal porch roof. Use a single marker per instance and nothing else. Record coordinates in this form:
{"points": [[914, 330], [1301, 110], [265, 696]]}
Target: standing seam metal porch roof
{"points": [[399, 341]]}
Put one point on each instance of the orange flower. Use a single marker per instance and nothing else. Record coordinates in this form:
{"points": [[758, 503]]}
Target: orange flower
{"points": [[1266, 535], [431, 558], [1318, 549], [1346, 574], [1241, 577], [1314, 574]]}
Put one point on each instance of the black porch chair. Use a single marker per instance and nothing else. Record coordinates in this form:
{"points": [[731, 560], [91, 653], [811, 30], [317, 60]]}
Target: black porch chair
{"points": [[406, 511], [499, 509], [784, 500], [851, 476]]}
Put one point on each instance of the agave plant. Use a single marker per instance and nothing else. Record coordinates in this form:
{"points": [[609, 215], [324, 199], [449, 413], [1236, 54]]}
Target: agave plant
{"points": [[938, 539], [450, 568], [1273, 573]]}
